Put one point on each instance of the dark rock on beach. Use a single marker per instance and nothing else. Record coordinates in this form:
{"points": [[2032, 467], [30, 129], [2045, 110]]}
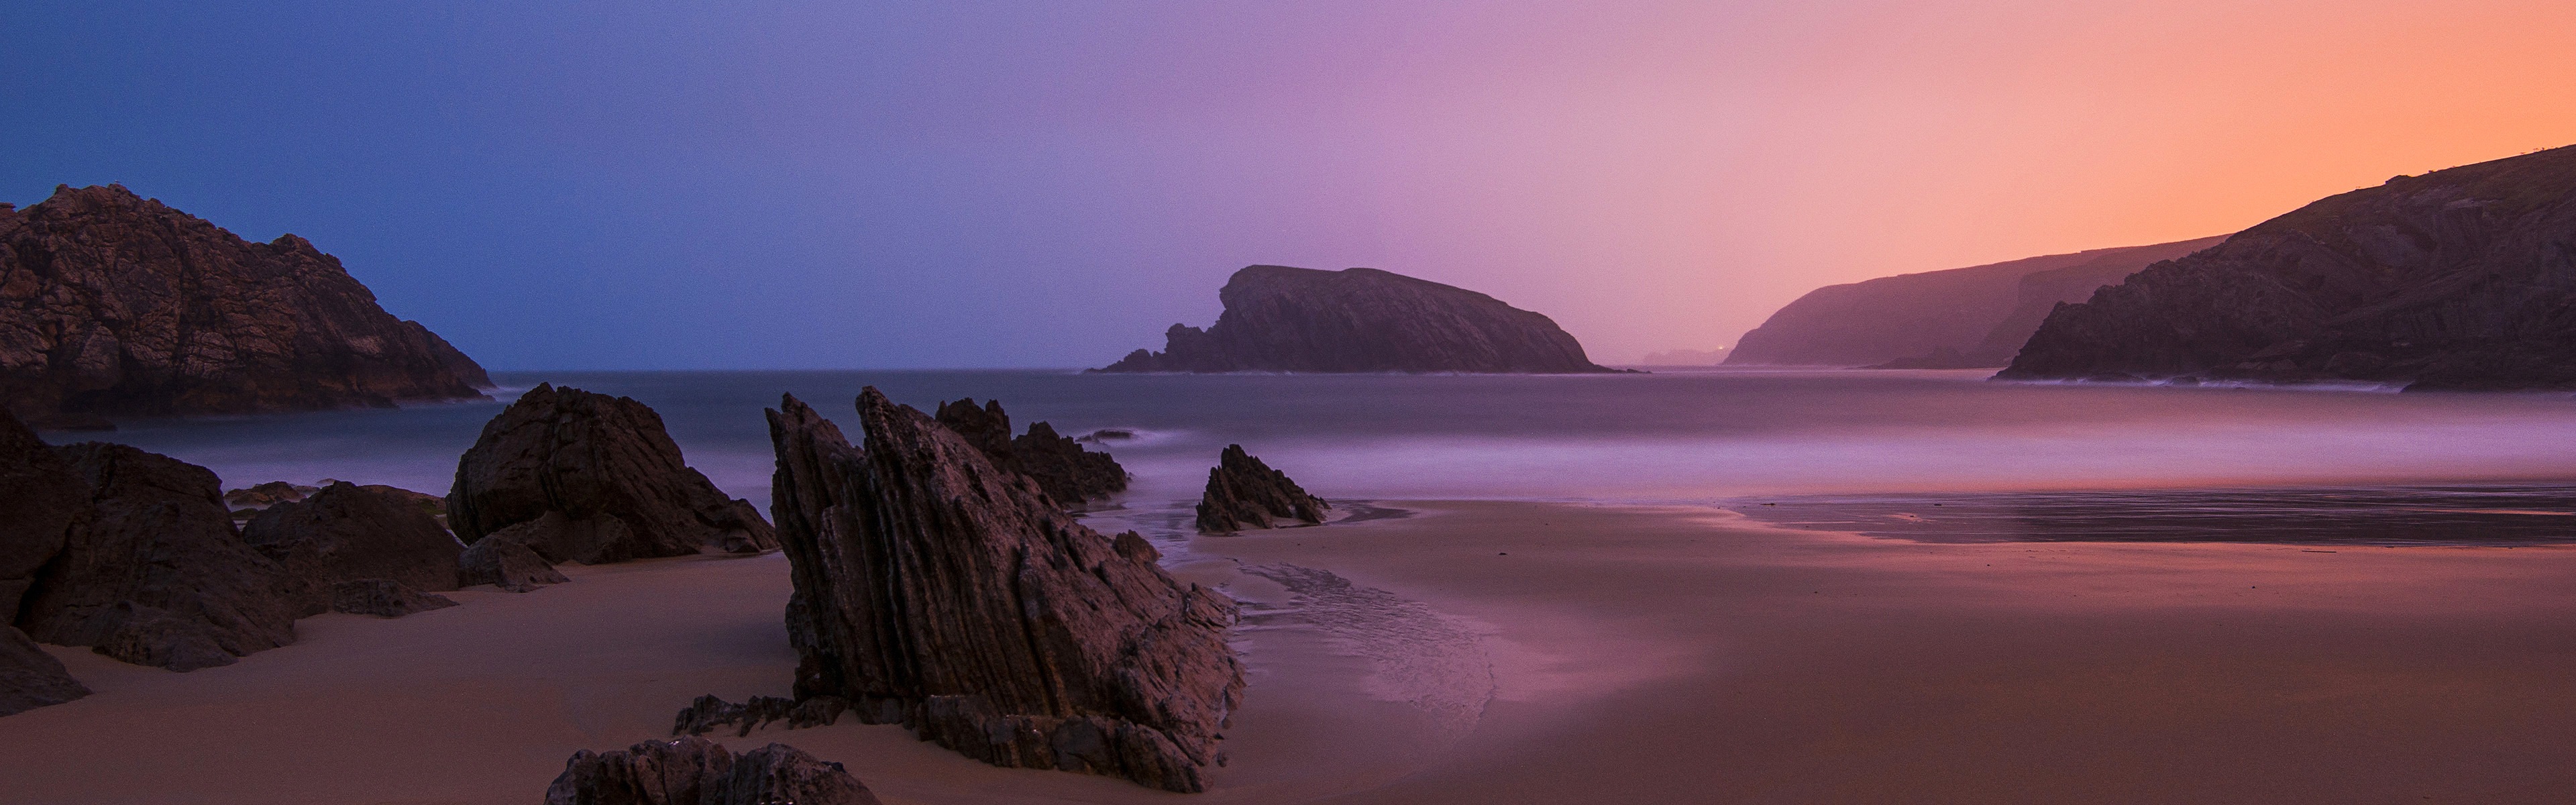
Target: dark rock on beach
{"points": [[2456, 279], [383, 598], [697, 771], [935, 589], [607, 473], [345, 532], [112, 305], [1282, 319], [31, 678], [507, 565], [1244, 492], [1066, 472], [710, 713]]}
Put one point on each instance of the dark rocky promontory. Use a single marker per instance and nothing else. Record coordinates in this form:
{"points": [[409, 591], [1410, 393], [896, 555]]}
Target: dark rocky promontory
{"points": [[697, 771], [1242, 492], [112, 305], [593, 479], [1282, 319], [1064, 470], [935, 589], [2457, 279]]}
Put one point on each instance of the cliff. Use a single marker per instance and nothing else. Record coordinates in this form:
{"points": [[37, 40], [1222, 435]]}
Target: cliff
{"points": [[1281, 319], [2457, 279], [111, 304], [1956, 318]]}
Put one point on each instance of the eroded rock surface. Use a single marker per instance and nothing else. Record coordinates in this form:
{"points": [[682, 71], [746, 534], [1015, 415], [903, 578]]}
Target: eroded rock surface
{"points": [[1282, 319], [507, 565], [345, 532], [606, 468], [31, 678], [1066, 472], [936, 589], [383, 598], [112, 304], [1242, 492], [697, 771]]}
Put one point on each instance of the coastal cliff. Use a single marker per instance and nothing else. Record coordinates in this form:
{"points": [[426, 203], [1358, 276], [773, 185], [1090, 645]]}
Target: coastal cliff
{"points": [[1282, 319], [112, 304], [2457, 279]]}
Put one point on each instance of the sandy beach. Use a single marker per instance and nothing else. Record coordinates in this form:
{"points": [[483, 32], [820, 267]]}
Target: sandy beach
{"points": [[1490, 652]]}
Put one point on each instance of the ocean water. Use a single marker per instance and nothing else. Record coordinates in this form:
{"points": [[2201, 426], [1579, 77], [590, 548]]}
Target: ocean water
{"points": [[1840, 449]]}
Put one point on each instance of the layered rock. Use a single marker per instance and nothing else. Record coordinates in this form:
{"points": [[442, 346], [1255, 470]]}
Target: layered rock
{"points": [[31, 678], [609, 475], [383, 598], [938, 590], [697, 771], [1244, 492], [1949, 319], [113, 305], [2457, 279], [1066, 472], [1281, 319], [507, 565], [346, 532]]}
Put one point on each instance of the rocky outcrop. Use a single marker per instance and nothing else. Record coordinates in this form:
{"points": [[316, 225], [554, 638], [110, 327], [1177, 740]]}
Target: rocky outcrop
{"points": [[608, 474], [697, 771], [116, 305], [1066, 472], [935, 589], [383, 598], [710, 713], [31, 678], [1950, 319], [1243, 492], [507, 565], [1281, 319], [346, 532], [41, 505]]}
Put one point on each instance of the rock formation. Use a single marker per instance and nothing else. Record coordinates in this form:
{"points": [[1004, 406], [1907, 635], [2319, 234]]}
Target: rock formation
{"points": [[383, 598], [346, 532], [697, 771], [709, 713], [1242, 491], [1950, 319], [1063, 470], [31, 678], [935, 589], [2457, 279], [1281, 319], [261, 496], [116, 305], [507, 565], [610, 475]]}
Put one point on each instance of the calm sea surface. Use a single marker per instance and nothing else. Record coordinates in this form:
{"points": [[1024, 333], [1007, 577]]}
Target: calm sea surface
{"points": [[1859, 450]]}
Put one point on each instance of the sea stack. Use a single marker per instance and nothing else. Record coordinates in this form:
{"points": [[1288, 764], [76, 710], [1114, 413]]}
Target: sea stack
{"points": [[935, 589], [590, 478], [1065, 471], [1282, 319], [2456, 279], [112, 305], [1243, 492]]}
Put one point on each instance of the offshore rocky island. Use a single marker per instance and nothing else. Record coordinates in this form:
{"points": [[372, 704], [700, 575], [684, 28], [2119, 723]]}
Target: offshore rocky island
{"points": [[1283, 319]]}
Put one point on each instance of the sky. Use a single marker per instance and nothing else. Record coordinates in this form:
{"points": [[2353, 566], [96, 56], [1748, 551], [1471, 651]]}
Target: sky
{"points": [[649, 185]]}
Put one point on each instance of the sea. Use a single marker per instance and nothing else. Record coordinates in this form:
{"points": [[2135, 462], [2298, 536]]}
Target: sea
{"points": [[1923, 455]]}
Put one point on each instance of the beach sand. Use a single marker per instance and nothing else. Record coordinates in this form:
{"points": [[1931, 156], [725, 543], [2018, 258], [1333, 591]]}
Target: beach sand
{"points": [[1490, 652]]}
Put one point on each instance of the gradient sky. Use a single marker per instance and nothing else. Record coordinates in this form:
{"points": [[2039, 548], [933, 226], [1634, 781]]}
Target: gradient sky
{"points": [[899, 184]]}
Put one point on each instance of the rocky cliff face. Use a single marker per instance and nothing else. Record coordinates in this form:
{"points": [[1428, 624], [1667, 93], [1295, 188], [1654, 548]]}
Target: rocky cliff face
{"points": [[2457, 279], [1066, 472], [1242, 492], [112, 304], [1281, 319], [597, 479], [935, 589]]}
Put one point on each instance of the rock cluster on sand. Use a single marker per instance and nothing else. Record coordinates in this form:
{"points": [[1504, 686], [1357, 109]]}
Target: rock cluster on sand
{"points": [[1243, 492], [935, 589], [346, 532], [1066, 472], [697, 771], [1282, 319], [590, 478], [507, 565], [112, 304], [2456, 279]]}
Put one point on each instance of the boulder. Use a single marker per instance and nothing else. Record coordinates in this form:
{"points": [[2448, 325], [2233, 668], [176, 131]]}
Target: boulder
{"points": [[611, 474], [697, 771], [1282, 319], [1066, 472], [383, 598], [936, 589], [41, 504], [507, 565], [1242, 491], [346, 532], [262, 496], [31, 678]]}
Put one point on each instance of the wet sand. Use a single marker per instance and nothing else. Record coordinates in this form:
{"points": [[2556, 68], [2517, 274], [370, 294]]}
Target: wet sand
{"points": [[1492, 652]]}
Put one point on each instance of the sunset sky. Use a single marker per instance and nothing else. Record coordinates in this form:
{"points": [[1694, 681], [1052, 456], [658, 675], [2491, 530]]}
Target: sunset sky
{"points": [[835, 184]]}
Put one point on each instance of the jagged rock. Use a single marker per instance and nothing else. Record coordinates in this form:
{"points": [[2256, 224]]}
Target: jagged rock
{"points": [[709, 713], [2456, 279], [31, 678], [697, 771], [383, 597], [111, 304], [1063, 470], [262, 496], [346, 532], [606, 467], [1242, 491], [935, 589], [1281, 319], [505, 564]]}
